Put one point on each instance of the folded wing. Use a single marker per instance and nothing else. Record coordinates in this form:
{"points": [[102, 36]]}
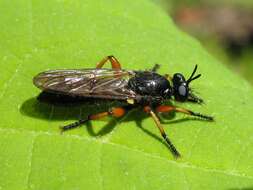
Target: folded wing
{"points": [[97, 83]]}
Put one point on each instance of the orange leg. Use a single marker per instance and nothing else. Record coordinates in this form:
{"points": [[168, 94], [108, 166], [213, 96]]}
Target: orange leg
{"points": [[148, 110], [114, 62], [115, 112], [165, 108]]}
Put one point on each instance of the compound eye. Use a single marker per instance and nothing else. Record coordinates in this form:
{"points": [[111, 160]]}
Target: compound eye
{"points": [[182, 90], [181, 93]]}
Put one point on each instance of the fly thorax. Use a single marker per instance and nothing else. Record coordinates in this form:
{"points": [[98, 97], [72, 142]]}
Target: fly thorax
{"points": [[151, 84]]}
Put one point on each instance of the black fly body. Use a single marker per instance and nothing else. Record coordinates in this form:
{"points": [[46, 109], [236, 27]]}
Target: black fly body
{"points": [[137, 88]]}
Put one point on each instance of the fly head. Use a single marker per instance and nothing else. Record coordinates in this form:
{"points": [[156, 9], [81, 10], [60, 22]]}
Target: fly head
{"points": [[181, 89]]}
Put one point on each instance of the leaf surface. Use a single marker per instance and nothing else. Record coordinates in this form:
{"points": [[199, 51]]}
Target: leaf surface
{"points": [[127, 153]]}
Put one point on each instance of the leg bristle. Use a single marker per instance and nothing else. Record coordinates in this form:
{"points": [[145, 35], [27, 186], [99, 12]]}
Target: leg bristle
{"points": [[73, 125], [209, 118], [171, 146]]}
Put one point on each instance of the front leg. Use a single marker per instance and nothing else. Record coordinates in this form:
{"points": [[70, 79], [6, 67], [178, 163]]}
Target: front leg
{"points": [[166, 109]]}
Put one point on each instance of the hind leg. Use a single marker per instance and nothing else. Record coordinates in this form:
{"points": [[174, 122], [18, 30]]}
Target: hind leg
{"points": [[115, 112], [114, 62]]}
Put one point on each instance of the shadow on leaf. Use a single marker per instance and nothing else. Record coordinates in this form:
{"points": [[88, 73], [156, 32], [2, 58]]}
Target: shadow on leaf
{"points": [[60, 108]]}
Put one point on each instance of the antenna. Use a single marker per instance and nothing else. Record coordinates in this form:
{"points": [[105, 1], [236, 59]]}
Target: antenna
{"points": [[191, 77]]}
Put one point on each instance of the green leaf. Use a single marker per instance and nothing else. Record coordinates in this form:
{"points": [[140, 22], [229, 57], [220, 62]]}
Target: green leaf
{"points": [[128, 153]]}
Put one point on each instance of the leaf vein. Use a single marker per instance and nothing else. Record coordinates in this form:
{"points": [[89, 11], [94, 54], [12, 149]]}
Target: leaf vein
{"points": [[173, 162]]}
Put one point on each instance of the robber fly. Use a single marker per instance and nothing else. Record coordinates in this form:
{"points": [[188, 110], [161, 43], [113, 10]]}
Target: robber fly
{"points": [[146, 89]]}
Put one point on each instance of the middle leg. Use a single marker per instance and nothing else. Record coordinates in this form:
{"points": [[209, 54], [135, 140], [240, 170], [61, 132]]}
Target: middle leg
{"points": [[173, 149]]}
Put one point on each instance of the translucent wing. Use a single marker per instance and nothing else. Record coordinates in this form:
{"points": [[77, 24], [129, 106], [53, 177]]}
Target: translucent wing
{"points": [[98, 83]]}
